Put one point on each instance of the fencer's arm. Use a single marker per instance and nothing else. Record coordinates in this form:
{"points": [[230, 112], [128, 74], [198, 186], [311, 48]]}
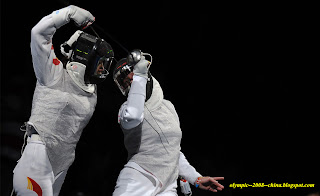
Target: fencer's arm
{"points": [[81, 17], [186, 170], [46, 66], [131, 114]]}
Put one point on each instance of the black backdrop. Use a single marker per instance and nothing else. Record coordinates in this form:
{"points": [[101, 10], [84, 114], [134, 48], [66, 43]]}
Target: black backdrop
{"points": [[243, 95]]}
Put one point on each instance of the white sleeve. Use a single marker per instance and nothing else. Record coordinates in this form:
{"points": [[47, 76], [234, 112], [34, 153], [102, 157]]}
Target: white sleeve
{"points": [[131, 112], [47, 66], [187, 171]]}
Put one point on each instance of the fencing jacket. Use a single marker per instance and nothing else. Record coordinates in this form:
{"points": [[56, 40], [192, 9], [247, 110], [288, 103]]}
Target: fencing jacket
{"points": [[152, 134], [60, 108]]}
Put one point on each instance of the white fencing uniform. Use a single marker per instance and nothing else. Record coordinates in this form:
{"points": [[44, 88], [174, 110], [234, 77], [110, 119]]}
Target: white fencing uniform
{"points": [[152, 138], [35, 165], [60, 111]]}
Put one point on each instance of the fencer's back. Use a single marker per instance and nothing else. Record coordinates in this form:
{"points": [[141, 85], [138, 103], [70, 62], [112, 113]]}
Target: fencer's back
{"points": [[155, 143]]}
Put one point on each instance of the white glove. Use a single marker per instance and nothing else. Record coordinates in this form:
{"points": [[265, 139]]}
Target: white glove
{"points": [[81, 17], [141, 68]]}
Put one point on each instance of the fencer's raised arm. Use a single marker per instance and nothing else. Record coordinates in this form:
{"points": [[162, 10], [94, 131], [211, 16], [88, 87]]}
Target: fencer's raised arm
{"points": [[80, 16], [131, 112], [186, 170], [46, 65]]}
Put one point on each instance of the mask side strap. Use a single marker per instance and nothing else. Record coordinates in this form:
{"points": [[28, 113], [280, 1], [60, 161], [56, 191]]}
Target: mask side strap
{"points": [[142, 53]]}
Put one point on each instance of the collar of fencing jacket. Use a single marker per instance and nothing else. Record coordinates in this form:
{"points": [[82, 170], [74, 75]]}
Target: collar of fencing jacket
{"points": [[76, 71], [156, 97]]}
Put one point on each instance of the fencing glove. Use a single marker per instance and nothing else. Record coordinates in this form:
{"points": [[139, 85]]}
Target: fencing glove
{"points": [[141, 68]]}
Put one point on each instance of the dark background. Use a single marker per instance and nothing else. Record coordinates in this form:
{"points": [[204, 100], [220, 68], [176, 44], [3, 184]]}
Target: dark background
{"points": [[239, 75]]}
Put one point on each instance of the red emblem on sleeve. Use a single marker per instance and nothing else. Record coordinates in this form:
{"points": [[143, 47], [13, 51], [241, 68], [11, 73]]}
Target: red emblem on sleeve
{"points": [[56, 61]]}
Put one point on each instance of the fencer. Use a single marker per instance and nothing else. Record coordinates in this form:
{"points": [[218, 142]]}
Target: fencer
{"points": [[64, 100], [152, 136]]}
